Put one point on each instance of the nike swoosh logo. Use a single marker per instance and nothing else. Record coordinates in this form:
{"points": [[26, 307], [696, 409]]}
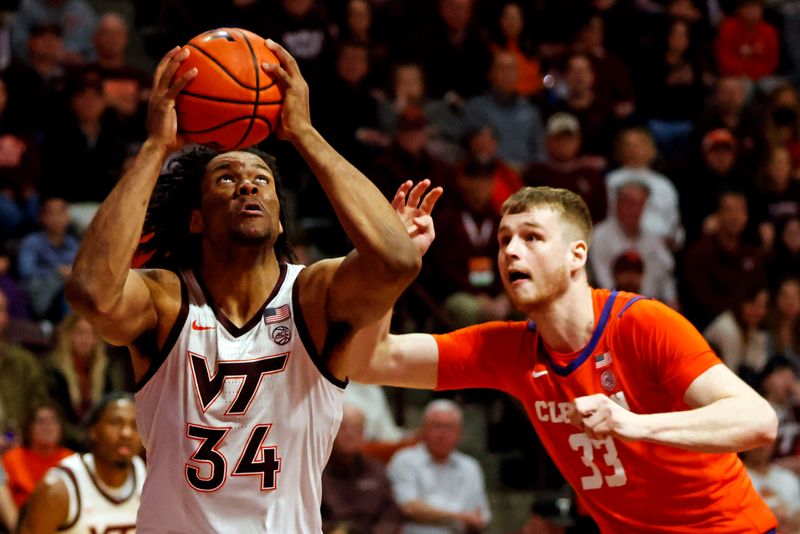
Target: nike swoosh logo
{"points": [[537, 374], [196, 326]]}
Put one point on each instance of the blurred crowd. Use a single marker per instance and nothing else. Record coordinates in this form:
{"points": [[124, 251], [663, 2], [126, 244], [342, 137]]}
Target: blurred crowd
{"points": [[677, 121]]}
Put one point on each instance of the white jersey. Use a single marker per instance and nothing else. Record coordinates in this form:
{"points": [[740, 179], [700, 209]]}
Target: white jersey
{"points": [[94, 508], [238, 423]]}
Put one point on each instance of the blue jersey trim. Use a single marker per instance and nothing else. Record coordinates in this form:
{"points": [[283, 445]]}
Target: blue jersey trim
{"points": [[629, 303], [564, 370]]}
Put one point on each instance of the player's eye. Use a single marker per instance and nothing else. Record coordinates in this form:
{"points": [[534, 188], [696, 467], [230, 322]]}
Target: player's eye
{"points": [[225, 178], [262, 178]]}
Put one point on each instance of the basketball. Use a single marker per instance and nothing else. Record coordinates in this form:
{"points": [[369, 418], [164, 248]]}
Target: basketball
{"points": [[231, 103]]}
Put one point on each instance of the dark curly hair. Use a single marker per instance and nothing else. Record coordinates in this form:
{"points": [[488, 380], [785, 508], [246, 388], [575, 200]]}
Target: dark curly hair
{"points": [[166, 242]]}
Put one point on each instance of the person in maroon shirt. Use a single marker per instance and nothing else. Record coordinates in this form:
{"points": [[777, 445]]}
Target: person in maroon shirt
{"points": [[717, 267]]}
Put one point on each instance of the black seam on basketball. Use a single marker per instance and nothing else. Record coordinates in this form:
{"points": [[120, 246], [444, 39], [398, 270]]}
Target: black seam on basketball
{"points": [[257, 70], [220, 125], [226, 71], [230, 100]]}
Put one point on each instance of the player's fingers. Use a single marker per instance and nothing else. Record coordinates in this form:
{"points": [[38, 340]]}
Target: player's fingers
{"points": [[416, 193], [399, 200], [589, 403], [180, 83], [286, 59], [275, 70], [163, 65], [430, 199], [169, 71]]}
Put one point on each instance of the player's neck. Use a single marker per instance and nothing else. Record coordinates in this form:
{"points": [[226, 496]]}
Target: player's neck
{"points": [[111, 474], [566, 324], [239, 288]]}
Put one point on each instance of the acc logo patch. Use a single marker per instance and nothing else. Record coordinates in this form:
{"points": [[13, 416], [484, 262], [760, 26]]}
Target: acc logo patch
{"points": [[281, 335], [607, 380]]}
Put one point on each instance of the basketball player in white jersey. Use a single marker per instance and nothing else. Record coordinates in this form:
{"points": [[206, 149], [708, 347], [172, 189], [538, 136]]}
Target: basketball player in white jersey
{"points": [[241, 357], [98, 492]]}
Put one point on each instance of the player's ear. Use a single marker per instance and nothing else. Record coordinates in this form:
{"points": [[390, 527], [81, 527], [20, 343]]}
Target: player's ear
{"points": [[579, 254], [196, 224]]}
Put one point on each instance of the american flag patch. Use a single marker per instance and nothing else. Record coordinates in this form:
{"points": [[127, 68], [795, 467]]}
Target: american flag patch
{"points": [[602, 360], [276, 315]]}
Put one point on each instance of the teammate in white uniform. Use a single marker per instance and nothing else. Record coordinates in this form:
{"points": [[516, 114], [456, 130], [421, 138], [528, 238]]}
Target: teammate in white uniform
{"points": [[241, 358], [98, 492]]}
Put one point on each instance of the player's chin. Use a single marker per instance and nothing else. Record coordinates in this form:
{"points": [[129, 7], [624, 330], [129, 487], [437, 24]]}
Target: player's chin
{"points": [[251, 234]]}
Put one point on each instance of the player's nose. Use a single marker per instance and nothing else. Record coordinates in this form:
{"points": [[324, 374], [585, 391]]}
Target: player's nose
{"points": [[247, 187]]}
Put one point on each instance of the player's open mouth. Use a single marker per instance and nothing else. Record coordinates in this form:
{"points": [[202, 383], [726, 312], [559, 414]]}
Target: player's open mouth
{"points": [[251, 208], [515, 276]]}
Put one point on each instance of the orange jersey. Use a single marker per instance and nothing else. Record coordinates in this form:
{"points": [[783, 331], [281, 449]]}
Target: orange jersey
{"points": [[644, 356]]}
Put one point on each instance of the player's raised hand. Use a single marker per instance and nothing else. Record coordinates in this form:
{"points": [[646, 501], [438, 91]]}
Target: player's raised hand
{"points": [[599, 417], [162, 121], [296, 112], [414, 204]]}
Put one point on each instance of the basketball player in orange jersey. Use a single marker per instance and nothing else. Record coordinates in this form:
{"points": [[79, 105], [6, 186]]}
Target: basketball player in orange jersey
{"points": [[658, 416], [241, 357]]}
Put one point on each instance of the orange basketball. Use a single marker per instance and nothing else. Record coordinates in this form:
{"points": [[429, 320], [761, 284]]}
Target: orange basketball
{"points": [[231, 103]]}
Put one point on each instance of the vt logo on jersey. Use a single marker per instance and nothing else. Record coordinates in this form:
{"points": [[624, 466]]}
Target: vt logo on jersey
{"points": [[250, 372]]}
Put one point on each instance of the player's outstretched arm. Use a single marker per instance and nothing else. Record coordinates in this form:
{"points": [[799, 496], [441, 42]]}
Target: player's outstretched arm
{"points": [[726, 416], [375, 357], [366, 284], [118, 301], [47, 507]]}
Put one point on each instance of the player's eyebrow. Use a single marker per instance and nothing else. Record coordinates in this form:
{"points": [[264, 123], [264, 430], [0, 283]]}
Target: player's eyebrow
{"points": [[227, 165]]}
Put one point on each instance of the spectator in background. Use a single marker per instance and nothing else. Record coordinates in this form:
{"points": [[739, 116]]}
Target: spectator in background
{"points": [[596, 116], [779, 196], [37, 85], [356, 492], [612, 77], [718, 267], [17, 298], [671, 88], [779, 384], [784, 259], [746, 45], [564, 168], [440, 489], [739, 336], [123, 83], [45, 261], [728, 108], [21, 382], [778, 486], [701, 185], [636, 151], [76, 17], [783, 320], [510, 35], [461, 271], [453, 52], [359, 27], [623, 231], [782, 125], [628, 272], [408, 157], [77, 375], [516, 121], [40, 450], [83, 153], [482, 147], [346, 112], [408, 91], [302, 27]]}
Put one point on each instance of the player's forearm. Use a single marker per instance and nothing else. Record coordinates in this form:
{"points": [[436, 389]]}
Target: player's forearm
{"points": [[365, 214], [728, 425], [104, 258]]}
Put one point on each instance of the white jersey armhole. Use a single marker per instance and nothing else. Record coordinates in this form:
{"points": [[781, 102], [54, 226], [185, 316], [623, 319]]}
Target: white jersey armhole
{"points": [[72, 493]]}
